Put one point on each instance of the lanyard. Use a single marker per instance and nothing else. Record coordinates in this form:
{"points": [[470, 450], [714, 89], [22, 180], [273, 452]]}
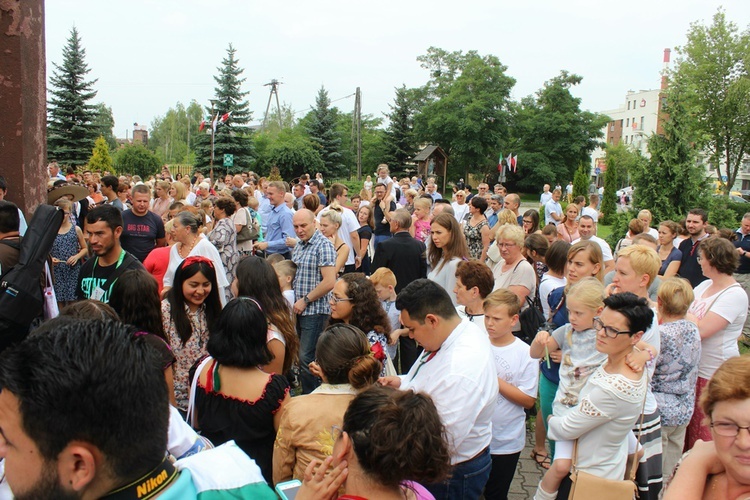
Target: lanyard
{"points": [[427, 356], [148, 486], [119, 261]]}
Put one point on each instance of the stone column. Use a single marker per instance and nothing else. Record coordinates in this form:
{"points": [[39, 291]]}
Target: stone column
{"points": [[23, 103]]}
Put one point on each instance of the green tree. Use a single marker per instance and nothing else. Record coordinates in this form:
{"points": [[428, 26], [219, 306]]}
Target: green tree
{"points": [[136, 159], [552, 134], [373, 142], [321, 127], [104, 123], [671, 182], [608, 206], [100, 159], [173, 135], [70, 129], [463, 108], [711, 80], [294, 154], [234, 136], [620, 160], [400, 145], [581, 180]]}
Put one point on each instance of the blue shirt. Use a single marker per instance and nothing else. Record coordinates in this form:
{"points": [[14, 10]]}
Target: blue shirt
{"points": [[264, 209], [492, 220], [279, 227]]}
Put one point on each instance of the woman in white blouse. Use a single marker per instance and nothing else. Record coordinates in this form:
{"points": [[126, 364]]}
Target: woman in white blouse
{"points": [[612, 399], [512, 270], [447, 250], [189, 243]]}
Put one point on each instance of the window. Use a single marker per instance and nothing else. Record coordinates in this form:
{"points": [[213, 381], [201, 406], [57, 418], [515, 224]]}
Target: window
{"points": [[627, 123], [628, 105], [641, 122]]}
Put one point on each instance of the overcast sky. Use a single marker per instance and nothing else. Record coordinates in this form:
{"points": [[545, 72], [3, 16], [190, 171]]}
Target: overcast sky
{"points": [[148, 55]]}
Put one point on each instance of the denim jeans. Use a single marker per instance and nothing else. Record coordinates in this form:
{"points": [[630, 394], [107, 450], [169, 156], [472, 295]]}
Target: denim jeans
{"points": [[310, 328], [467, 479]]}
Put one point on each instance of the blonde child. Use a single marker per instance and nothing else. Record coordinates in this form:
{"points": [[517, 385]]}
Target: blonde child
{"points": [[517, 378], [580, 358], [286, 270], [385, 285], [420, 228]]}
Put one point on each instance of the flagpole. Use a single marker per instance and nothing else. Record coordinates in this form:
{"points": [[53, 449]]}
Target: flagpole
{"points": [[213, 131]]}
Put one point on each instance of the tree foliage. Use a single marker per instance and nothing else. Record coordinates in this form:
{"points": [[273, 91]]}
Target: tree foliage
{"points": [[321, 127], [711, 80], [234, 136], [552, 134], [581, 180], [173, 135], [671, 182], [373, 142], [100, 160], [70, 125], [463, 108], [294, 154], [136, 159], [400, 144], [104, 123]]}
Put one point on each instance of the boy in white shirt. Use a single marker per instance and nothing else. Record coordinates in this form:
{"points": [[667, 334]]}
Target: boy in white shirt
{"points": [[517, 377]]}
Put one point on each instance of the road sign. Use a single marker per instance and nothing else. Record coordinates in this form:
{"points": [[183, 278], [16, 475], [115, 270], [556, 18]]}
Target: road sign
{"points": [[597, 170], [228, 160], [724, 178]]}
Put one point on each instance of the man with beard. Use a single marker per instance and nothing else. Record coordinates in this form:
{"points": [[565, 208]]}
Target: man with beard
{"points": [[84, 413], [98, 274], [690, 268]]}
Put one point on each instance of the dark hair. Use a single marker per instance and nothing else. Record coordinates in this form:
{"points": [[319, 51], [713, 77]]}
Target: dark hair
{"points": [[534, 215], [336, 189], [135, 297], [367, 313], [397, 436], [474, 273], [238, 337], [90, 309], [439, 201], [422, 297], [186, 270], [478, 202], [92, 381], [257, 278], [9, 219], [240, 197], [343, 353], [227, 205], [536, 242], [556, 257], [110, 181], [3, 184], [699, 211], [720, 253], [105, 213], [634, 308]]}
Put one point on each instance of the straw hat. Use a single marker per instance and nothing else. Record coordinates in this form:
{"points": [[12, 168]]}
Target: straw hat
{"points": [[62, 188]]}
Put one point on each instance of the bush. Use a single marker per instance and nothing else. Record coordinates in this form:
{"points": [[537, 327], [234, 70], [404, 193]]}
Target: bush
{"points": [[620, 223]]}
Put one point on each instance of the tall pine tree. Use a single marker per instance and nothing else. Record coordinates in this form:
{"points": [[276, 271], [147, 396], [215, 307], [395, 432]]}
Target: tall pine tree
{"points": [[70, 129], [322, 130], [233, 136], [399, 136]]}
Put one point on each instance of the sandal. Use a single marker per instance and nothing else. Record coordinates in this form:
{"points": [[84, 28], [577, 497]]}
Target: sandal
{"points": [[541, 459]]}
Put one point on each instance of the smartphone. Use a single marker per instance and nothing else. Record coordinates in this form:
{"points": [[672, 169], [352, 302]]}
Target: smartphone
{"points": [[288, 489]]}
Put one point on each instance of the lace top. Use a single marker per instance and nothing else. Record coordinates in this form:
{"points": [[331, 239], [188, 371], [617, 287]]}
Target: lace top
{"points": [[609, 408]]}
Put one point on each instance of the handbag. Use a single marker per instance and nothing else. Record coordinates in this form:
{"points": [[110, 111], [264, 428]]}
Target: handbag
{"points": [[589, 487], [50, 299], [531, 320]]}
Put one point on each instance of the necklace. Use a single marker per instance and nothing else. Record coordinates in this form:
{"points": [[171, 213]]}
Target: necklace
{"points": [[182, 247]]}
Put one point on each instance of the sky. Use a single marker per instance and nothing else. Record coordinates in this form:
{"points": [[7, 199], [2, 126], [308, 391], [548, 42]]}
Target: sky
{"points": [[149, 55]]}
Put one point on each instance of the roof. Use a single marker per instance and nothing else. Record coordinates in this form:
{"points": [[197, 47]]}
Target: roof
{"points": [[427, 152]]}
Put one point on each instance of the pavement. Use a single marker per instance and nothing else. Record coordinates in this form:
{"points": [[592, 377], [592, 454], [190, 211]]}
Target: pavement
{"points": [[528, 474]]}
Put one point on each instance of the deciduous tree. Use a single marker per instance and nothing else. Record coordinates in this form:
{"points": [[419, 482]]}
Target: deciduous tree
{"points": [[136, 159], [100, 160]]}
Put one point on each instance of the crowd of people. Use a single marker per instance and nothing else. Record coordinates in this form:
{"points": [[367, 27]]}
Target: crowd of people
{"points": [[385, 343]]}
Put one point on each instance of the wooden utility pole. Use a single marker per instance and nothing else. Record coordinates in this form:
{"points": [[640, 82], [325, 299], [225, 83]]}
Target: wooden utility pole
{"points": [[357, 131], [274, 84]]}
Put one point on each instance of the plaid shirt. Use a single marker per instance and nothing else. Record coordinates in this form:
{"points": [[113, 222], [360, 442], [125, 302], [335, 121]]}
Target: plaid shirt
{"points": [[310, 256]]}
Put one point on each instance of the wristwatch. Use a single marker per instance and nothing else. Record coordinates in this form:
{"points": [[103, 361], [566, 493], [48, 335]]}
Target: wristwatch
{"points": [[306, 299]]}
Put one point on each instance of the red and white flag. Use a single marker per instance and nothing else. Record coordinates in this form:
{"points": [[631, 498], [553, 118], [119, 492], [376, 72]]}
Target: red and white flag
{"points": [[215, 122], [514, 163], [225, 117]]}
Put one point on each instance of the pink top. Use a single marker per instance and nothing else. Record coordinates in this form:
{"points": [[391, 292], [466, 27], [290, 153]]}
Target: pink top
{"points": [[421, 229]]}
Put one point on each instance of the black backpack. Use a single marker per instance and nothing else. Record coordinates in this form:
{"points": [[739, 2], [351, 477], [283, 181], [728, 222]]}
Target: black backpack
{"points": [[21, 294]]}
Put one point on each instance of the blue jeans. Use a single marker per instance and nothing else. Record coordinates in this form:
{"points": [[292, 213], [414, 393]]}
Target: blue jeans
{"points": [[310, 328], [467, 479]]}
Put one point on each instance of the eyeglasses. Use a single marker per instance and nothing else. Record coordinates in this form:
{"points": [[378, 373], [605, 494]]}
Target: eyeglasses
{"points": [[336, 300], [336, 432], [728, 429], [506, 245], [608, 330]]}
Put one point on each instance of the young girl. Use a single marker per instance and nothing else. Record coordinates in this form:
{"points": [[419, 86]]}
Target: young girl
{"points": [[580, 358], [420, 227], [191, 306], [67, 251], [368, 184]]}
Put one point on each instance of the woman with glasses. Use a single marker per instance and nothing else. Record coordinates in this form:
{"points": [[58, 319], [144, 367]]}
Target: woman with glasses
{"points": [[719, 310], [719, 468], [513, 271], [389, 443], [531, 222], [460, 207], [610, 402], [344, 361], [355, 302]]}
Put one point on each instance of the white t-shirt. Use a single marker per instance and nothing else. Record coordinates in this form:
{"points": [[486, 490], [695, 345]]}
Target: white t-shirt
{"points": [[477, 319], [460, 211], [546, 286], [545, 198], [387, 181], [552, 207], [594, 214], [515, 366], [289, 296], [731, 304], [606, 251], [349, 225]]}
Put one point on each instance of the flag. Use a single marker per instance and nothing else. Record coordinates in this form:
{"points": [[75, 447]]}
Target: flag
{"points": [[500, 163], [202, 126], [225, 117], [215, 122], [515, 163], [508, 161]]}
